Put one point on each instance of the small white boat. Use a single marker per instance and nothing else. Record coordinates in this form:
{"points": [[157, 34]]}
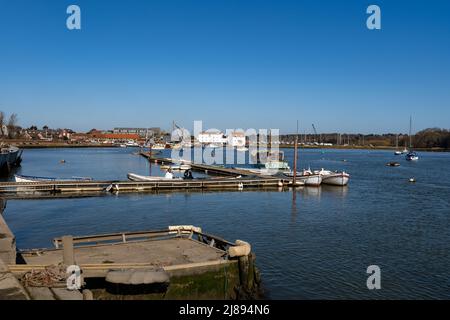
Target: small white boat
{"points": [[241, 149], [308, 177], [138, 177], [181, 167], [158, 146], [334, 178], [397, 153], [213, 146], [132, 143], [20, 178]]}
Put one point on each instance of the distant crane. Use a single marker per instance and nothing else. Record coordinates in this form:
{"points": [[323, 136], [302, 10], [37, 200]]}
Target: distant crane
{"points": [[315, 131]]}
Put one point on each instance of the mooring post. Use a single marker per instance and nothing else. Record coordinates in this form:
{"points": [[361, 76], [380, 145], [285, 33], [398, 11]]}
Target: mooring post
{"points": [[68, 253], [243, 271], [251, 271]]}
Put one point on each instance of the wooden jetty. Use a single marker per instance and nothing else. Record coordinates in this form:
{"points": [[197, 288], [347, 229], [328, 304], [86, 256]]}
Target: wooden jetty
{"points": [[180, 262], [136, 186], [209, 169]]}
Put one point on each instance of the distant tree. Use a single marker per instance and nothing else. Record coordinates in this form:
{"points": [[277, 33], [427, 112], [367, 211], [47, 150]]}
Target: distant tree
{"points": [[12, 125], [45, 128], [2, 122], [33, 128]]}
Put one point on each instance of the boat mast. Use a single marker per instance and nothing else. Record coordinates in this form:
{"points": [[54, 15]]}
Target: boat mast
{"points": [[294, 180], [410, 143]]}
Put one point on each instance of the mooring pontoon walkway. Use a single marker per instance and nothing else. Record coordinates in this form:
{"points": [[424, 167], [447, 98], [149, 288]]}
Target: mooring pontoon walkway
{"points": [[213, 169]]}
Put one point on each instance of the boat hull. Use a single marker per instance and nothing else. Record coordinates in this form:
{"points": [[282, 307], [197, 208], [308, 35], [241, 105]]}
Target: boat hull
{"points": [[336, 179], [9, 157], [138, 177], [19, 178], [314, 180]]}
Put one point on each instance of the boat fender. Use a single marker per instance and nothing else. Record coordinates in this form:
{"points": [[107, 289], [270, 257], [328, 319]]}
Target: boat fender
{"points": [[241, 249], [280, 183], [185, 228], [135, 277]]}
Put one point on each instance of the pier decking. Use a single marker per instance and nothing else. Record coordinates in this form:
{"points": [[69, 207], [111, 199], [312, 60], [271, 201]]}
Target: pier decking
{"points": [[209, 169], [177, 262]]}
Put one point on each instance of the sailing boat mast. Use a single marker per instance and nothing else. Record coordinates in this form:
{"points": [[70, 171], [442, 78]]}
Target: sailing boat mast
{"points": [[410, 140]]}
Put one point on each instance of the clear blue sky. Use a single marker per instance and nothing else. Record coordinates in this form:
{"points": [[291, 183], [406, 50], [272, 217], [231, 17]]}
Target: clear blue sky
{"points": [[232, 64]]}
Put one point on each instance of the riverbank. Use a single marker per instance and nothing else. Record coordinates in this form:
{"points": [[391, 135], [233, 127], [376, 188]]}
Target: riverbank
{"points": [[46, 144], [336, 147]]}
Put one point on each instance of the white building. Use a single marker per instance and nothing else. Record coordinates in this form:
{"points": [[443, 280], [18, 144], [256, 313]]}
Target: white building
{"points": [[237, 139], [215, 137]]}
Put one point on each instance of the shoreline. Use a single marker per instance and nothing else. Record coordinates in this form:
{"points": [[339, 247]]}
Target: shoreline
{"points": [[37, 145]]}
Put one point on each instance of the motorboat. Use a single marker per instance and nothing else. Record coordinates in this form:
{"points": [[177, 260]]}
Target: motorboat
{"points": [[412, 156], [21, 178], [393, 164], [157, 146], [397, 153], [334, 178], [10, 156], [270, 160], [138, 177], [132, 143], [241, 149]]}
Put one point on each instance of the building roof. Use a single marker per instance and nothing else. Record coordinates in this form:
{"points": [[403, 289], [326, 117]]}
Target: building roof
{"points": [[129, 136]]}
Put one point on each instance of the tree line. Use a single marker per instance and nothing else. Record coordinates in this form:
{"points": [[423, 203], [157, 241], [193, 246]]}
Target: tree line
{"points": [[432, 138]]}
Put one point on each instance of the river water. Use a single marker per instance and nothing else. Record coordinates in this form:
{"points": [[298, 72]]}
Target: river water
{"points": [[315, 243]]}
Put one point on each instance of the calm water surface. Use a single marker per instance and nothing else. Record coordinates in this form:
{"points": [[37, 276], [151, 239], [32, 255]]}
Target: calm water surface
{"points": [[316, 243]]}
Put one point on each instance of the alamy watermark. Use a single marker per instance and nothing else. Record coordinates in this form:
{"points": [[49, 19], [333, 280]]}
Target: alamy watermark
{"points": [[73, 22], [230, 147], [374, 280]]}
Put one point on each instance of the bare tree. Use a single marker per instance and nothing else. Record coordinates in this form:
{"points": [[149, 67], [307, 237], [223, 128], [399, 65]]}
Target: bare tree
{"points": [[12, 124], [2, 122]]}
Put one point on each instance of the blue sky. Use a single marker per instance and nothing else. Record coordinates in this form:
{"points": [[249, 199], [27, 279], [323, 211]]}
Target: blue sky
{"points": [[232, 64]]}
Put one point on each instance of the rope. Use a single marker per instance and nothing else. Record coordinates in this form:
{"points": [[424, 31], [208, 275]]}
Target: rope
{"points": [[50, 276]]}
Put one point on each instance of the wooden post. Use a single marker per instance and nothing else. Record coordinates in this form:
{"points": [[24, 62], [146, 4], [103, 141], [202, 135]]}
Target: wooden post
{"points": [[68, 253], [251, 271]]}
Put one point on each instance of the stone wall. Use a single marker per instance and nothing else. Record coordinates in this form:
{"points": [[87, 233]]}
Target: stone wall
{"points": [[7, 240]]}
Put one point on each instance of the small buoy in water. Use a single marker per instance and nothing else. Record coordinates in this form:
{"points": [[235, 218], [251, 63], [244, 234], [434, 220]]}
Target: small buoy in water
{"points": [[344, 160], [62, 161], [412, 180]]}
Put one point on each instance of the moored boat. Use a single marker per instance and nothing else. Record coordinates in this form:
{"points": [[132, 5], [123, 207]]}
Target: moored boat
{"points": [[10, 156], [334, 178], [138, 177], [307, 176], [22, 178], [412, 156]]}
